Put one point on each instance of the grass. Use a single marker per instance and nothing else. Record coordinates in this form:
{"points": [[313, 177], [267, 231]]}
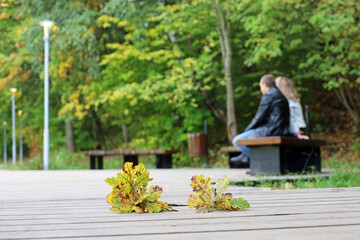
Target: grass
{"points": [[65, 160], [59, 160], [343, 174]]}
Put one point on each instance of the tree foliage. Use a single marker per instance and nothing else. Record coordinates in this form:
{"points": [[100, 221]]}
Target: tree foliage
{"points": [[144, 74]]}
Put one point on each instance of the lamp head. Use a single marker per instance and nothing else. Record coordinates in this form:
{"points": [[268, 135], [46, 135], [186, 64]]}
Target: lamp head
{"points": [[46, 24], [13, 90], [20, 112]]}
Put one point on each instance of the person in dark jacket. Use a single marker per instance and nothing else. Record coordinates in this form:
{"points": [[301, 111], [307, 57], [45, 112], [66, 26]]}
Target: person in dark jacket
{"points": [[271, 119]]}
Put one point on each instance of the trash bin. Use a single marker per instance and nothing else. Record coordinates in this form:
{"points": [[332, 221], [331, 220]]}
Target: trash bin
{"points": [[197, 144]]}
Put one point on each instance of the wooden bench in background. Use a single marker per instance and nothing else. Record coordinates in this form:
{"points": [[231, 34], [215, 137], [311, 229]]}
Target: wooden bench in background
{"points": [[232, 152], [163, 157], [281, 155]]}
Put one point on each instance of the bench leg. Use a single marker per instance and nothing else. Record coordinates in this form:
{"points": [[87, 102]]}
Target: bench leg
{"points": [[131, 158], [92, 162], [265, 160], [284, 159], [100, 162], [300, 159], [315, 160], [164, 161]]}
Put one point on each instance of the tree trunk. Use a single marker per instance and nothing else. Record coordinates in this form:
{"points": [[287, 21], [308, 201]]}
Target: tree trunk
{"points": [[347, 99], [125, 130], [224, 35], [97, 131], [70, 141]]}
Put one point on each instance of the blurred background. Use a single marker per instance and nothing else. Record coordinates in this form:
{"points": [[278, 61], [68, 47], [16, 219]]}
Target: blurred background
{"points": [[126, 74]]}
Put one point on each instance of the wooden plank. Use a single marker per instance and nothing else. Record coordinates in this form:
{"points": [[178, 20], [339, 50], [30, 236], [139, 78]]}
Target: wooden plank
{"points": [[176, 218], [302, 142], [81, 206], [104, 214], [184, 214], [277, 140], [328, 233], [177, 197], [85, 203], [181, 198], [100, 205], [259, 141], [128, 152], [229, 149], [125, 223], [188, 227], [263, 198]]}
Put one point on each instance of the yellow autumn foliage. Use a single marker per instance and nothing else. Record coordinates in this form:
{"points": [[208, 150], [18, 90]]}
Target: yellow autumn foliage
{"points": [[65, 67], [4, 15]]}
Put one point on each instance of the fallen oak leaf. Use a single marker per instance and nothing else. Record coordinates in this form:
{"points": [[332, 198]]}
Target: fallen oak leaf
{"points": [[130, 193], [210, 199]]}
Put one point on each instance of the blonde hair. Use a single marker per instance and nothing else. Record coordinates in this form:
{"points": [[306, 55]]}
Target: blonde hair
{"points": [[287, 88]]}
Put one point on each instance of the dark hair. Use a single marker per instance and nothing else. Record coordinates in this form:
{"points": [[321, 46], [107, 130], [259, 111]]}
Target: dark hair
{"points": [[268, 79]]}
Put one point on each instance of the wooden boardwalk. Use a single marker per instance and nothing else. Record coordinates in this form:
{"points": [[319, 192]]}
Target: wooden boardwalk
{"points": [[71, 205]]}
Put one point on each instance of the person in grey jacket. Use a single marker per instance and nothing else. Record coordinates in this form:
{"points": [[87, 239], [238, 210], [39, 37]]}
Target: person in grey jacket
{"points": [[271, 119], [296, 114]]}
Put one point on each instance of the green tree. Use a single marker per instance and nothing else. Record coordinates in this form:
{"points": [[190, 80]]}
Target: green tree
{"points": [[337, 56], [165, 63], [307, 41], [74, 65]]}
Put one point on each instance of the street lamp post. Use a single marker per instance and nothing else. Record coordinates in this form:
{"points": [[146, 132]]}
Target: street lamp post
{"points": [[13, 91], [21, 145], [5, 147], [46, 24]]}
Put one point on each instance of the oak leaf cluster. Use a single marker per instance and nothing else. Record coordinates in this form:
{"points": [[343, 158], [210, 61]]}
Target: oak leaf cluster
{"points": [[130, 193], [213, 198]]}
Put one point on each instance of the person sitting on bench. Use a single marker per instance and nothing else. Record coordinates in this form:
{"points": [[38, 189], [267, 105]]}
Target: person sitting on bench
{"points": [[296, 114], [271, 119]]}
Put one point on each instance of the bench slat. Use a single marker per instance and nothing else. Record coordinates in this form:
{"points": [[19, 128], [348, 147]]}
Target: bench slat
{"points": [[128, 152], [278, 140], [229, 149]]}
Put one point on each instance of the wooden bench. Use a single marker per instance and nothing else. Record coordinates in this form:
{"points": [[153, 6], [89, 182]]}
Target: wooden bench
{"points": [[281, 155], [232, 152], [163, 157]]}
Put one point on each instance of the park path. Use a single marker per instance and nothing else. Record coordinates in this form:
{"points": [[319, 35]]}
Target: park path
{"points": [[71, 205]]}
